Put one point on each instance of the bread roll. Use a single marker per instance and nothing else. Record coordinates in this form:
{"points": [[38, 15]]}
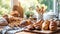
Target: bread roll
{"points": [[30, 27], [24, 23], [38, 25], [53, 25], [14, 24], [45, 25], [14, 21]]}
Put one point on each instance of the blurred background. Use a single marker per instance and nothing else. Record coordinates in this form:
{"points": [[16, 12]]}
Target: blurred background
{"points": [[50, 5]]}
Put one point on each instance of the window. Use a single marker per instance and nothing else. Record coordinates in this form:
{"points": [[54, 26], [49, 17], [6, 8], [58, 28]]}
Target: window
{"points": [[4, 7], [28, 3], [48, 3], [58, 7]]}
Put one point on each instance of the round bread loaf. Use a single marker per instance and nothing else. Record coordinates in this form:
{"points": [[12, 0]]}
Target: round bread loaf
{"points": [[53, 25], [24, 23], [45, 25]]}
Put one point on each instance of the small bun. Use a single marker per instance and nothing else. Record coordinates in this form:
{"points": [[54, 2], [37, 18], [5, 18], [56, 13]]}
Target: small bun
{"points": [[45, 25], [38, 25], [24, 23], [53, 25]]}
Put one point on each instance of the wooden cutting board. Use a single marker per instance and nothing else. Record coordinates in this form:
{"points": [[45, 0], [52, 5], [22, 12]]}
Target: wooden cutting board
{"points": [[46, 31], [25, 33], [41, 32]]}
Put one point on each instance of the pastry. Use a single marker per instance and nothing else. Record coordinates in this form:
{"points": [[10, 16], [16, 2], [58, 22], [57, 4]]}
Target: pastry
{"points": [[24, 23], [14, 21], [30, 27], [14, 24], [53, 25], [38, 25], [45, 25]]}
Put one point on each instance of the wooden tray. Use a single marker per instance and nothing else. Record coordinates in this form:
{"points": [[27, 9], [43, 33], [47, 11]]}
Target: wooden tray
{"points": [[45, 32]]}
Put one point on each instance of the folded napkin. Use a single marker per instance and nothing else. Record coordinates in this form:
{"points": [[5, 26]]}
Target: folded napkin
{"points": [[9, 30]]}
